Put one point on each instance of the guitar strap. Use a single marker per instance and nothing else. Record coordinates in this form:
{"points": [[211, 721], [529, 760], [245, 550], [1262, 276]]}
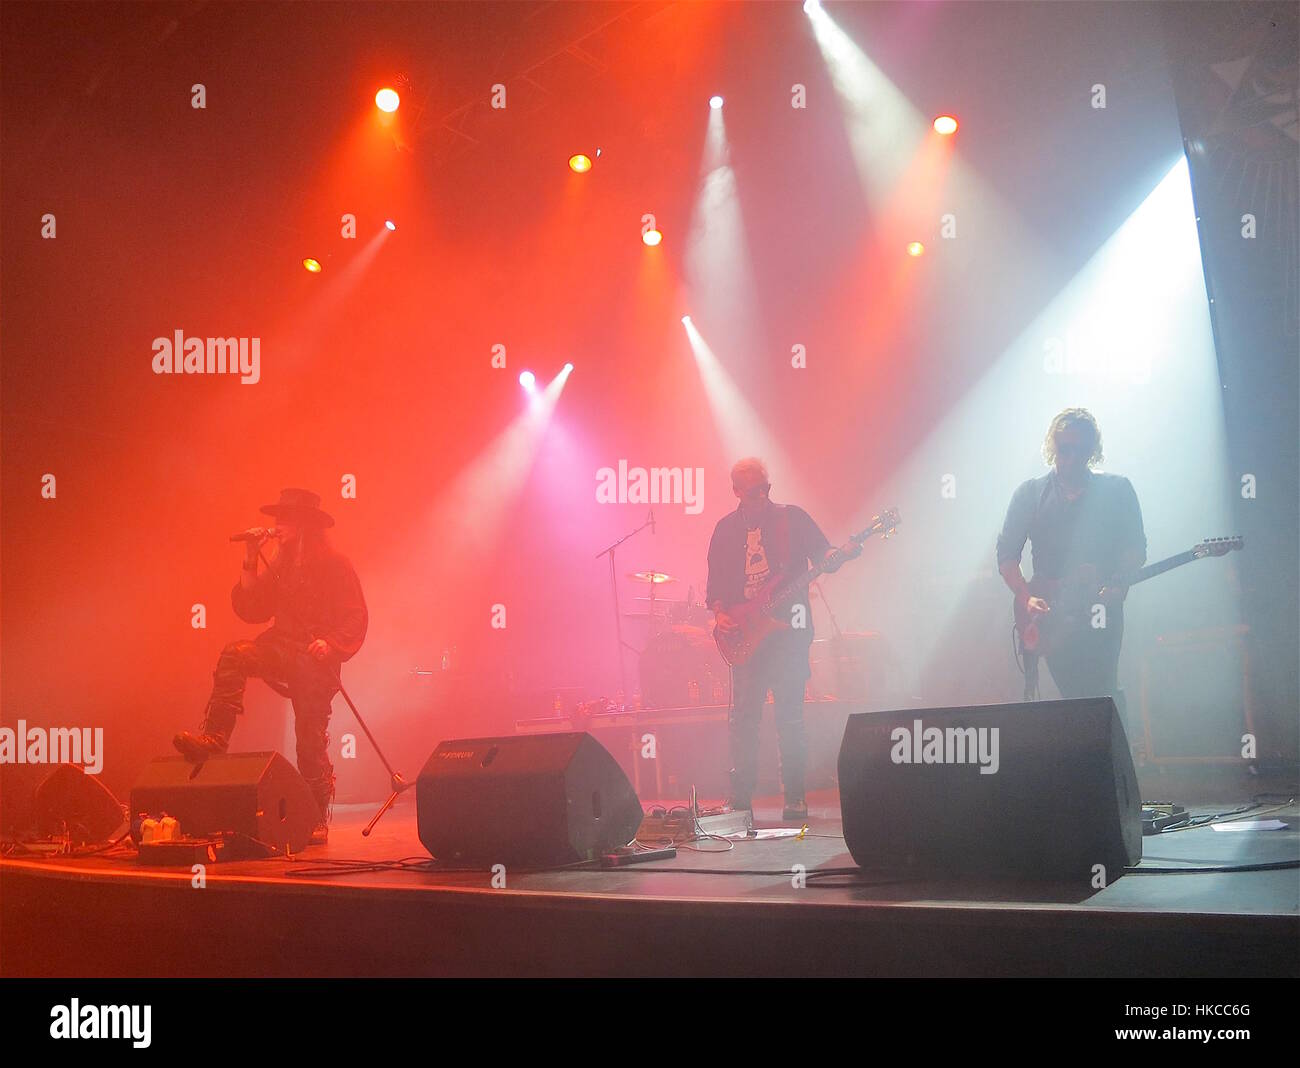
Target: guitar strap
{"points": [[781, 539], [1038, 506]]}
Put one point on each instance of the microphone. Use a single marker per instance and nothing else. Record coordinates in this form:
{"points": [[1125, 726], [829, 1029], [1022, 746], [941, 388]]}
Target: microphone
{"points": [[257, 534]]}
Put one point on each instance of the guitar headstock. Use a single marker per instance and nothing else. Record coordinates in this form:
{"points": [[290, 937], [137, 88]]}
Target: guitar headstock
{"points": [[1218, 546], [885, 524]]}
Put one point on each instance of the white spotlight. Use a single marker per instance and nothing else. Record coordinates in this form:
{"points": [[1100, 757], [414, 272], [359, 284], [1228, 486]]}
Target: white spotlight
{"points": [[715, 102]]}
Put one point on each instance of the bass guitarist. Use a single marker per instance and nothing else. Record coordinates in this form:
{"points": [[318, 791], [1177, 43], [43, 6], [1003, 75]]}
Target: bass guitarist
{"points": [[750, 548], [1079, 523]]}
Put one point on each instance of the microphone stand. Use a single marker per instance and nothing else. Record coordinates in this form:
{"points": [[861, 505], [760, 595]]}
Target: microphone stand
{"points": [[618, 619], [398, 784], [395, 780]]}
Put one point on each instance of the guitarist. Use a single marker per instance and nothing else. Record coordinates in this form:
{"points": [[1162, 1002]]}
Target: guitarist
{"points": [[750, 547], [1076, 518]]}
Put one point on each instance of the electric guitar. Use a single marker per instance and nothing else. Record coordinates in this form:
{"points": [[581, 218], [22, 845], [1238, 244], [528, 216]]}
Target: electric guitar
{"points": [[1072, 598], [757, 617]]}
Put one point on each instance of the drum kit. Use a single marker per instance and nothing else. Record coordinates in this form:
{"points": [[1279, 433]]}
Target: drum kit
{"points": [[680, 664]]}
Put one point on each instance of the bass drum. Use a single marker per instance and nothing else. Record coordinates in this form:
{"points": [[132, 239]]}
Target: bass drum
{"points": [[681, 668]]}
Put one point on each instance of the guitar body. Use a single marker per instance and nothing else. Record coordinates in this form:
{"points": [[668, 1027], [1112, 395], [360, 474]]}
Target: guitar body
{"points": [[756, 626], [760, 618], [1071, 600]]}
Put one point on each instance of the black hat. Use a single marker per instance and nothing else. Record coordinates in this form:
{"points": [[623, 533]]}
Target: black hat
{"points": [[299, 506]]}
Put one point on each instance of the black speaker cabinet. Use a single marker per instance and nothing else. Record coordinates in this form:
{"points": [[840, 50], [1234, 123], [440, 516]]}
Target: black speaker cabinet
{"points": [[537, 800], [1039, 790], [260, 795], [48, 800]]}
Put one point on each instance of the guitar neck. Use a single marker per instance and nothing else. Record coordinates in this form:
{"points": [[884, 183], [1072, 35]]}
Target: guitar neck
{"points": [[1161, 566], [788, 589], [798, 583], [882, 524]]}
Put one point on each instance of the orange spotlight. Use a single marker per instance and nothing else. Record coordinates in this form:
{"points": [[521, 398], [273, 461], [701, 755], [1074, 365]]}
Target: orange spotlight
{"points": [[915, 248], [312, 265], [945, 124], [652, 237], [579, 163], [387, 99]]}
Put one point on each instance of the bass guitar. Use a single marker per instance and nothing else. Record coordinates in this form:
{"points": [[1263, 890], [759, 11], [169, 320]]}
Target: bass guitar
{"points": [[756, 617]]}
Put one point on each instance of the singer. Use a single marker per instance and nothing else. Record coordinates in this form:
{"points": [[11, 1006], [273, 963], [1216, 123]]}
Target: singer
{"points": [[320, 621]]}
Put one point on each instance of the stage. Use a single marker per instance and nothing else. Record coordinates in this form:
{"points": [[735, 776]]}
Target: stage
{"points": [[737, 912]]}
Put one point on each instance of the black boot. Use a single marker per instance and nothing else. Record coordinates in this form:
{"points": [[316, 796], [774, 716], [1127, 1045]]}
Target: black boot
{"points": [[796, 808], [196, 748], [323, 792], [225, 704]]}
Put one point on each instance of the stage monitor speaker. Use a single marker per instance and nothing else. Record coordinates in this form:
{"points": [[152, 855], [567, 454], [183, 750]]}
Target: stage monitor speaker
{"points": [[1040, 790], [260, 795], [52, 800], [538, 800]]}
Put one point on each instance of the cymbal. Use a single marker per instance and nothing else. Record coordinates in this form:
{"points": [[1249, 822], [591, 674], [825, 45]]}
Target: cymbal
{"points": [[656, 577]]}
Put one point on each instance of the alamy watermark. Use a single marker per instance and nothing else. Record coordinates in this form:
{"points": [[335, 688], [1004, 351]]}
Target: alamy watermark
{"points": [[53, 745], [102, 1021], [655, 485], [945, 745], [181, 355]]}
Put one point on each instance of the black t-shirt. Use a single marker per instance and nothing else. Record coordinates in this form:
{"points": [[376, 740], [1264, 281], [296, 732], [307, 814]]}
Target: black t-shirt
{"points": [[741, 558], [1099, 527]]}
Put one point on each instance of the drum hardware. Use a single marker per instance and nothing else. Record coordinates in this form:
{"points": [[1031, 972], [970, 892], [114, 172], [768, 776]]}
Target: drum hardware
{"points": [[611, 551]]}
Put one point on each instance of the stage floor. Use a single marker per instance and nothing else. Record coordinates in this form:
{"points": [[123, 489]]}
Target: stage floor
{"points": [[348, 909]]}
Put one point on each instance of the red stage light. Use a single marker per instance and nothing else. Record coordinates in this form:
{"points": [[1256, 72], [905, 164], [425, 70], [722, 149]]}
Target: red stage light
{"points": [[579, 163], [387, 100], [915, 248], [652, 237], [945, 124], [312, 265]]}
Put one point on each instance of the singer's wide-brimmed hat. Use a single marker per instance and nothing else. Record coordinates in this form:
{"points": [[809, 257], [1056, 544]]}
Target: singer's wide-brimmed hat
{"points": [[299, 506]]}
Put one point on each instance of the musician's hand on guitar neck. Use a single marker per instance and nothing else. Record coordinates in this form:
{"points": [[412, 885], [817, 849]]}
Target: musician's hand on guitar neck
{"points": [[835, 558]]}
